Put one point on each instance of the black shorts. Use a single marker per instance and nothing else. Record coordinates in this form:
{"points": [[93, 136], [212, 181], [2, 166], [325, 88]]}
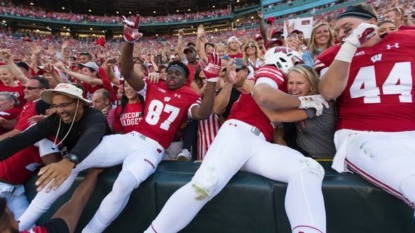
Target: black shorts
{"points": [[56, 225]]}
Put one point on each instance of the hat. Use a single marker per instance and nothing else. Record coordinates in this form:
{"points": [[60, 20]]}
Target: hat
{"points": [[23, 65], [91, 65], [239, 63], [233, 39], [297, 32], [190, 44], [100, 41], [274, 41], [64, 89], [258, 37], [275, 32], [189, 48]]}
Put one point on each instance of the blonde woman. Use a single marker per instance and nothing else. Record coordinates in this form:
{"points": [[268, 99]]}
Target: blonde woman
{"points": [[252, 56], [321, 38], [221, 49], [314, 133]]}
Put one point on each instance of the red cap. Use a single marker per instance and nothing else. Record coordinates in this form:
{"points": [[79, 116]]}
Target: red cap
{"points": [[274, 41], [274, 32], [100, 41], [297, 31], [258, 37]]}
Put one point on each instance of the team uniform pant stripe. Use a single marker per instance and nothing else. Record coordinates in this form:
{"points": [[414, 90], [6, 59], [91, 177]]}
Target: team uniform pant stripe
{"points": [[378, 183]]}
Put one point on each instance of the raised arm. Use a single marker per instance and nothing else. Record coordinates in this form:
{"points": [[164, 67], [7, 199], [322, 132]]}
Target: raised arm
{"points": [[79, 76], [72, 210], [334, 80], [211, 71], [180, 44], [131, 35], [262, 28], [200, 43], [8, 58]]}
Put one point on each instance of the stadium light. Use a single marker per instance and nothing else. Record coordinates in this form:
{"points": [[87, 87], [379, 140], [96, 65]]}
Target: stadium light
{"points": [[118, 12], [188, 9], [64, 27], [63, 8], [177, 11], [129, 12], [213, 6], [91, 29], [31, 3], [154, 12], [89, 10]]}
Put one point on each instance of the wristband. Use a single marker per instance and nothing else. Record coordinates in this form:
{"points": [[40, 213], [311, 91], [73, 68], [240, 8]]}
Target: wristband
{"points": [[346, 52]]}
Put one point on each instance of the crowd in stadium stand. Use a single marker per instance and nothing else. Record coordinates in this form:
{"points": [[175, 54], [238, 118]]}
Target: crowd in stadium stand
{"points": [[94, 65], [39, 13]]}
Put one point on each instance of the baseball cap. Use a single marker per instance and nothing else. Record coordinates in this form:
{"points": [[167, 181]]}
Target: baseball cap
{"points": [[276, 32], [239, 64], [234, 39], [23, 65], [91, 65], [297, 32], [64, 89], [274, 41], [258, 37], [189, 48]]}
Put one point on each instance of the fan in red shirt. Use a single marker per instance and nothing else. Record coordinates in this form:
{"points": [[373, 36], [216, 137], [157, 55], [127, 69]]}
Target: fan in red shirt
{"points": [[8, 84], [8, 111], [89, 78], [233, 47]]}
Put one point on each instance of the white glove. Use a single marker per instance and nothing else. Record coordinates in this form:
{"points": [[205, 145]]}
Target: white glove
{"points": [[131, 33], [360, 35], [313, 101]]}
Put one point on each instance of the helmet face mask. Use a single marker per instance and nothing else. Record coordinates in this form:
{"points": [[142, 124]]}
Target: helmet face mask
{"points": [[283, 58]]}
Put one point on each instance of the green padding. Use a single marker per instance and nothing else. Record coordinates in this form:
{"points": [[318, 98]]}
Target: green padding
{"points": [[250, 203]]}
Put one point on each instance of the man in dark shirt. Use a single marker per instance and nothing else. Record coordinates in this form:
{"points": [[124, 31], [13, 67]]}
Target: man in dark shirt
{"points": [[65, 219], [75, 126]]}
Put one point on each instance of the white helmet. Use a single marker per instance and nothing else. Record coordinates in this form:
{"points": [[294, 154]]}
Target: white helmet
{"points": [[283, 58]]}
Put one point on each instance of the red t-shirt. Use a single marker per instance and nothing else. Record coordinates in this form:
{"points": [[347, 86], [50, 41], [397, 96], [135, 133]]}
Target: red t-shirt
{"points": [[17, 91], [89, 89], [165, 111], [192, 69], [129, 119], [238, 55], [379, 95], [247, 110], [9, 114], [28, 111], [18, 168]]}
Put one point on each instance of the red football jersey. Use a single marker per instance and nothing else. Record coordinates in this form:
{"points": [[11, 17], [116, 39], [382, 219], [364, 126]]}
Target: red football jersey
{"points": [[128, 120], [325, 59], [165, 111], [18, 168], [17, 91], [28, 111], [247, 110], [379, 95]]}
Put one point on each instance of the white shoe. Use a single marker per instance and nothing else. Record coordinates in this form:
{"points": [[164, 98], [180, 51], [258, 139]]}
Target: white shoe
{"points": [[184, 155]]}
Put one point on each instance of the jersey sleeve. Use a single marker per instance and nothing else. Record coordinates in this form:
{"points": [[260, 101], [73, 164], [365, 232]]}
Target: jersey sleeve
{"points": [[271, 76], [324, 60]]}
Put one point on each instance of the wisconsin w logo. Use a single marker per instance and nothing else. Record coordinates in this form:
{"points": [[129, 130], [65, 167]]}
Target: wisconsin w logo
{"points": [[376, 58]]}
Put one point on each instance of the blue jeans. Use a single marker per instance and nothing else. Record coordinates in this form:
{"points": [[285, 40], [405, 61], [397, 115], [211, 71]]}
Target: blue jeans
{"points": [[16, 198]]}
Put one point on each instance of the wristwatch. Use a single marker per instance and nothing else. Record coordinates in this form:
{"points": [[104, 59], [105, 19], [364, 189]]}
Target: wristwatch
{"points": [[73, 158]]}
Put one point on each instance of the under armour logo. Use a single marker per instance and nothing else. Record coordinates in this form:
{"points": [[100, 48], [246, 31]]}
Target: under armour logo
{"points": [[396, 45], [176, 95], [167, 99], [376, 58], [233, 124]]}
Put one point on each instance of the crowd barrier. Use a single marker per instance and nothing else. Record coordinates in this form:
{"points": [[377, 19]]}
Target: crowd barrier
{"points": [[249, 203]]}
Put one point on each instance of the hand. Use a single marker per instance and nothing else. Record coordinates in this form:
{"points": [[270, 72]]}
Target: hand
{"points": [[361, 34], [248, 86], [313, 101], [154, 77], [51, 50], [65, 44], [36, 50], [212, 69], [181, 32], [6, 54], [260, 15], [36, 119], [48, 67], [131, 33], [200, 30], [60, 65], [231, 73], [54, 174]]}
